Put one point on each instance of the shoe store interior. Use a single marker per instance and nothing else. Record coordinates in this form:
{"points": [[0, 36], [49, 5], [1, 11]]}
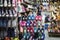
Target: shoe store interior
{"points": [[29, 19]]}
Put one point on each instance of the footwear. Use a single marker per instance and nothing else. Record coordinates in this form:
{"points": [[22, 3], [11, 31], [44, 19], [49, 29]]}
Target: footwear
{"points": [[35, 35], [23, 8], [39, 23], [4, 23], [25, 35], [43, 36], [22, 23], [20, 36], [31, 23], [31, 30], [19, 7], [18, 1], [32, 17], [21, 29], [14, 22], [14, 13], [28, 29], [0, 23], [11, 32], [25, 30], [9, 3], [1, 3], [13, 3], [38, 29], [39, 36], [7, 15], [5, 3], [40, 18], [3, 14], [24, 18], [0, 12], [1, 35], [28, 23], [34, 24], [10, 13], [28, 36], [35, 29], [9, 23], [5, 33], [37, 18], [29, 17]]}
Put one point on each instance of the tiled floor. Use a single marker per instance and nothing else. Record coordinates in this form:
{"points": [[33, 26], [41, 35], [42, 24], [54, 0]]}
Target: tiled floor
{"points": [[50, 38]]}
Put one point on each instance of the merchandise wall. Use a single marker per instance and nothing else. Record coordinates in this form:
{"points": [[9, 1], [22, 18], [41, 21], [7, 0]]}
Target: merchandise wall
{"points": [[8, 19], [28, 19], [17, 22]]}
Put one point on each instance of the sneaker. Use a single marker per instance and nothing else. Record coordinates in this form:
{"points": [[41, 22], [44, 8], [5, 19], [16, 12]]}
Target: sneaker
{"points": [[28, 36], [10, 13], [22, 23], [3, 14], [4, 23], [9, 23], [5, 3], [0, 12], [7, 15], [21, 29], [33, 17], [40, 18], [13, 3], [14, 22], [1, 3], [9, 3], [37, 18], [14, 13], [35, 29]]}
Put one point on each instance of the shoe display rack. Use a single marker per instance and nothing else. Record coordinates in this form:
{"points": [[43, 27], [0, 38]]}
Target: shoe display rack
{"points": [[8, 19], [54, 29], [30, 27], [17, 22]]}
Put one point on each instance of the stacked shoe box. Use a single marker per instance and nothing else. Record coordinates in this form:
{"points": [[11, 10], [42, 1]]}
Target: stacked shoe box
{"points": [[31, 27]]}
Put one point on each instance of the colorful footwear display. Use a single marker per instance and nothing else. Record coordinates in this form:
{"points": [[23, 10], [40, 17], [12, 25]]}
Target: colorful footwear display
{"points": [[19, 21], [31, 28]]}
